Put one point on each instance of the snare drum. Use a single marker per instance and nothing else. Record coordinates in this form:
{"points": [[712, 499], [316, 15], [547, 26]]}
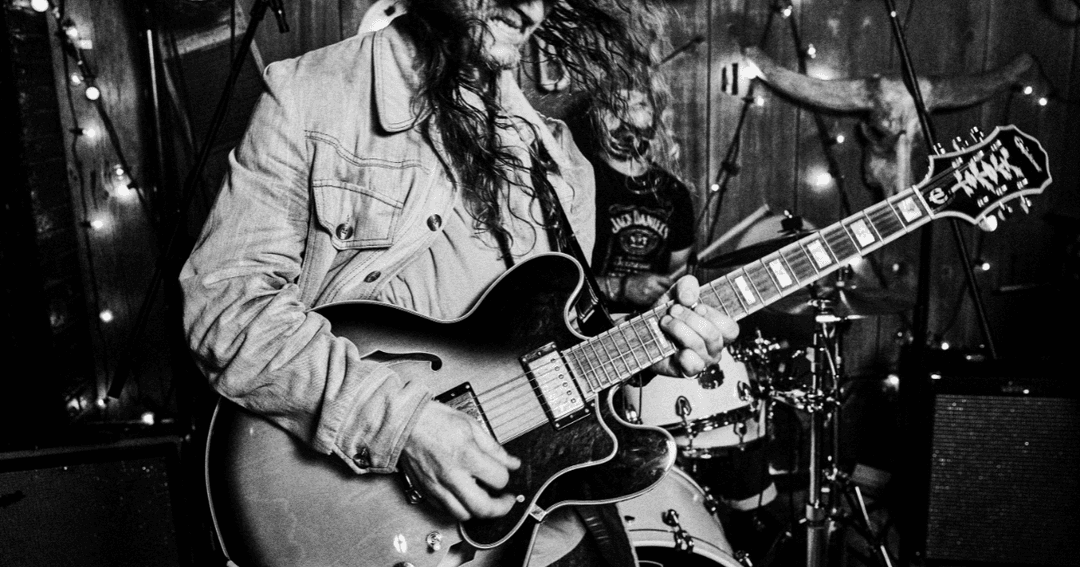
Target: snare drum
{"points": [[672, 525], [716, 411]]}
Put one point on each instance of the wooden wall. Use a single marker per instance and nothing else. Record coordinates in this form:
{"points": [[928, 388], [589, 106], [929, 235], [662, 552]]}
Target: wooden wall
{"points": [[1033, 258]]}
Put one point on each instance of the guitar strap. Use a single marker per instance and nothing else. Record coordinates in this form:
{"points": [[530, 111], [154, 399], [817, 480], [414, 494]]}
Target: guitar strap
{"points": [[594, 314]]}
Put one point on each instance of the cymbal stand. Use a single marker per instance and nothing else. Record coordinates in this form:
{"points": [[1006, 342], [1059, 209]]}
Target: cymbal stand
{"points": [[823, 403]]}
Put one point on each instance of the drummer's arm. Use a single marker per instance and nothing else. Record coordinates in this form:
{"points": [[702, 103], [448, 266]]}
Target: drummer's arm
{"points": [[678, 260]]}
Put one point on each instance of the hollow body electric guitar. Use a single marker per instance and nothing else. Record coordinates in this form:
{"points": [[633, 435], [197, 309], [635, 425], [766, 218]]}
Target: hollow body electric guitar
{"points": [[542, 390]]}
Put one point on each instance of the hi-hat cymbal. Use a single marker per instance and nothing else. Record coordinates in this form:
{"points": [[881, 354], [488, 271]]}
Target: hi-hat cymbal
{"points": [[750, 253]]}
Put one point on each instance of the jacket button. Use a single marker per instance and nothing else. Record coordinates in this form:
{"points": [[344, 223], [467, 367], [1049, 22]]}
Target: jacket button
{"points": [[372, 276], [434, 222], [344, 231], [363, 458]]}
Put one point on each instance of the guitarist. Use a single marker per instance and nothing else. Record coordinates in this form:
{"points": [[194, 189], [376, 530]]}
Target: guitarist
{"points": [[406, 166]]}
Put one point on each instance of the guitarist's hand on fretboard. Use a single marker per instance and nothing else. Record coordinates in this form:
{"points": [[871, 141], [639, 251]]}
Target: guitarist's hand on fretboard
{"points": [[457, 464], [697, 329]]}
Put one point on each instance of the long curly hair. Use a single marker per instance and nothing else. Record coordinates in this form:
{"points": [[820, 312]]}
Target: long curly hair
{"points": [[604, 46]]}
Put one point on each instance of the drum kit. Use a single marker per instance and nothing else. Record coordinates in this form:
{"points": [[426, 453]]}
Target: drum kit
{"points": [[729, 406]]}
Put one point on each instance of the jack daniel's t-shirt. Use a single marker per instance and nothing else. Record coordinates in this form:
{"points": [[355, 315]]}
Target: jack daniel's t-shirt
{"points": [[639, 221]]}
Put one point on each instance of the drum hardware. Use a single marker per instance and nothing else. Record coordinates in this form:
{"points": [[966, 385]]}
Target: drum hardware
{"points": [[683, 540], [822, 403]]}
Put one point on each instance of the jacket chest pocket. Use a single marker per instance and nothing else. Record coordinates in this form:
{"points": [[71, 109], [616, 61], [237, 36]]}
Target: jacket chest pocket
{"points": [[356, 216]]}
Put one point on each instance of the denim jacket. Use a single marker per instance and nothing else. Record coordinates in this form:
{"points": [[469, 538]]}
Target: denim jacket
{"points": [[333, 188]]}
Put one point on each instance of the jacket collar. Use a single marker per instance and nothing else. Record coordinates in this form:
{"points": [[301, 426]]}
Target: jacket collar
{"points": [[397, 80]]}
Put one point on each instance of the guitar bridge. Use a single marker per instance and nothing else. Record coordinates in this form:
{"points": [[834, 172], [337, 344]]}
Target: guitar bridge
{"points": [[463, 398], [556, 387]]}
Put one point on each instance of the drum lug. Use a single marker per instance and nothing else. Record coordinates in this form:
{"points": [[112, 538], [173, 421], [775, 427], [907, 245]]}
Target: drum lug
{"points": [[743, 558], [683, 540]]}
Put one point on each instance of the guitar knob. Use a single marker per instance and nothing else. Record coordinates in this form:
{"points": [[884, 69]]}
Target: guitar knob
{"points": [[434, 541]]}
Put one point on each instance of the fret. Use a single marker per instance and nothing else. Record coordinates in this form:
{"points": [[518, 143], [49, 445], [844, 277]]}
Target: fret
{"points": [[910, 208], [744, 288], [781, 272], [730, 297], [594, 363], [885, 220], [839, 242], [578, 371], [664, 347], [861, 231], [644, 343], [799, 262], [763, 281], [618, 358], [631, 348], [820, 256], [652, 346], [600, 361], [711, 288], [585, 367]]}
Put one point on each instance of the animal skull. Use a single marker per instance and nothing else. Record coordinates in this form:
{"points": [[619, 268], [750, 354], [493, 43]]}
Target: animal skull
{"points": [[891, 123]]}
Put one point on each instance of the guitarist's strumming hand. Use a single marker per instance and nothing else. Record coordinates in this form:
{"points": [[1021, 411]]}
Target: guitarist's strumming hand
{"points": [[699, 331], [457, 464]]}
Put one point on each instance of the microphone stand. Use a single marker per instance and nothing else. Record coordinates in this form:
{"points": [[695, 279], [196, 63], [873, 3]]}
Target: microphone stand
{"points": [[258, 11], [920, 320]]}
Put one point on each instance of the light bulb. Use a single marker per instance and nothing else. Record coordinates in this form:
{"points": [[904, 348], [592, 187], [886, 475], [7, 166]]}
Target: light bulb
{"points": [[93, 93], [40, 5]]}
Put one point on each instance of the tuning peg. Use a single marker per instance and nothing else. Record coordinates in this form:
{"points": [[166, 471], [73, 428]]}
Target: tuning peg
{"points": [[1025, 204], [989, 223], [976, 134], [938, 148], [958, 143]]}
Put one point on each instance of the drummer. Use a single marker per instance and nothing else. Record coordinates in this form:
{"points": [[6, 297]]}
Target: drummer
{"points": [[644, 215], [644, 233]]}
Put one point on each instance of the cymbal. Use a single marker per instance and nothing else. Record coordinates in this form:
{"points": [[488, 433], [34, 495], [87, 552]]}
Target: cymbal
{"points": [[845, 303], [750, 253]]}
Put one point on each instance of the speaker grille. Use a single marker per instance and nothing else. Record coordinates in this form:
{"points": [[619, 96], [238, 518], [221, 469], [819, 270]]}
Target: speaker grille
{"points": [[1004, 480]]}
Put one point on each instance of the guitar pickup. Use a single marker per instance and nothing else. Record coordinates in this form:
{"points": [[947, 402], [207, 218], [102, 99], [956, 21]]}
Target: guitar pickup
{"points": [[555, 386]]}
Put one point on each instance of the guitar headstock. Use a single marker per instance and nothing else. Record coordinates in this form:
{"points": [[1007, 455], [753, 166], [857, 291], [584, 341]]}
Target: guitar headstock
{"points": [[975, 182]]}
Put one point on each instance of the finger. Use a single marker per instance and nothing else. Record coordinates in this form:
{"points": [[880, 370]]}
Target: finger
{"points": [[686, 291], [492, 448], [692, 330], [477, 500], [446, 500]]}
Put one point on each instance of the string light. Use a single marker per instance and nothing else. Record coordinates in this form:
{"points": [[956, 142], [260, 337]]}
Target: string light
{"points": [[147, 417], [819, 177], [92, 93], [90, 133], [811, 51], [1043, 101], [76, 79], [1029, 89], [106, 316], [98, 223], [786, 11]]}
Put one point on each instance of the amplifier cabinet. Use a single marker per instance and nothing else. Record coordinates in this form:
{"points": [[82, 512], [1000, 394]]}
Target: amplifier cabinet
{"points": [[108, 506], [998, 476]]}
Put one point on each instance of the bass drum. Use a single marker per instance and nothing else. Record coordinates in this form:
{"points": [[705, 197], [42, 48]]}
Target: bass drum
{"points": [[710, 414], [672, 525]]}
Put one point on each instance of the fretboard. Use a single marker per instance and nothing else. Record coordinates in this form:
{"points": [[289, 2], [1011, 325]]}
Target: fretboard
{"points": [[635, 344]]}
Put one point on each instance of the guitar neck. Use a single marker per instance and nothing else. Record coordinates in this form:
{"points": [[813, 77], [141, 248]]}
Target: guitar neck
{"points": [[635, 344]]}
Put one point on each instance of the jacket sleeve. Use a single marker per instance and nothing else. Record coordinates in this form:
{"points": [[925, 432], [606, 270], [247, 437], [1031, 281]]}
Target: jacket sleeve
{"points": [[253, 338]]}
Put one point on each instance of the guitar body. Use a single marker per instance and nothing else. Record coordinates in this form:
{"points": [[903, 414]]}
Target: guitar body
{"points": [[276, 502]]}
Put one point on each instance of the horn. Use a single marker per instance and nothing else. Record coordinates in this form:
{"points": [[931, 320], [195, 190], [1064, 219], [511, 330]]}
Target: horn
{"points": [[966, 90], [841, 95]]}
